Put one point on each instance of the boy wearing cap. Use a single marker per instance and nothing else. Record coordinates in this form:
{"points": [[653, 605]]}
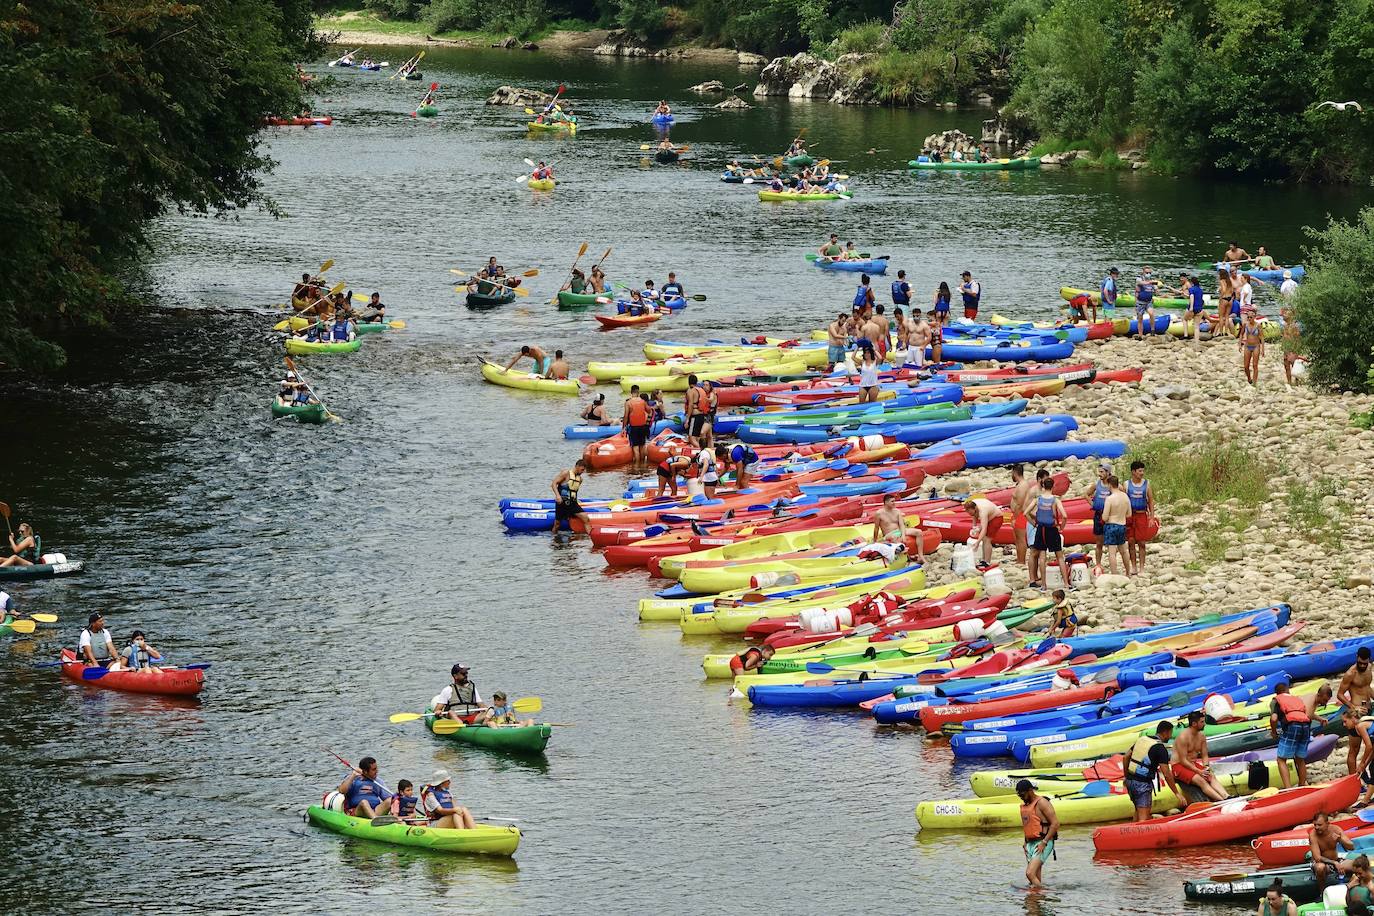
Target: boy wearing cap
{"points": [[500, 712], [1039, 830], [460, 693]]}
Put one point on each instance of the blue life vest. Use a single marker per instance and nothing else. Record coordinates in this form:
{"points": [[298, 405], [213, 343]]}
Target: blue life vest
{"points": [[743, 454], [1137, 491], [442, 797], [1044, 510], [1108, 290], [1100, 494], [339, 331], [405, 805], [1145, 293], [971, 299], [313, 334], [901, 293], [302, 397], [861, 295], [941, 303], [672, 289], [365, 789]]}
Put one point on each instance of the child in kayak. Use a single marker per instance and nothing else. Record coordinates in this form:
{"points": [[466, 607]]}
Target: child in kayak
{"points": [[404, 803], [500, 712]]}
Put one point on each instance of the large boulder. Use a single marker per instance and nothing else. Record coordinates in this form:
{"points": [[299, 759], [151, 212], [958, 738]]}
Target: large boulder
{"points": [[734, 103], [803, 76], [621, 43], [509, 42], [708, 87], [749, 59], [514, 95], [950, 140], [1007, 130]]}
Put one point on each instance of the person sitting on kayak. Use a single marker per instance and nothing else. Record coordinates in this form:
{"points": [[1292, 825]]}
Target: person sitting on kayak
{"points": [[27, 550], [293, 393], [578, 282], [460, 693], [542, 172], [305, 290], [595, 412], [404, 802], [803, 186], [751, 659], [315, 332], [343, 329], [439, 806], [558, 369], [376, 311], [636, 306], [889, 525], [663, 108], [363, 795], [597, 280], [138, 655], [1235, 254], [667, 472], [734, 169], [1065, 621], [536, 355], [1191, 763], [797, 148], [1326, 840], [831, 249], [673, 289], [565, 487], [665, 144], [851, 253], [499, 713], [775, 184], [649, 293], [96, 645]]}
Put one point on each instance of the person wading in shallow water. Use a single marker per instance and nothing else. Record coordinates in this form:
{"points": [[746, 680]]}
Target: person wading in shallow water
{"points": [[1039, 829]]}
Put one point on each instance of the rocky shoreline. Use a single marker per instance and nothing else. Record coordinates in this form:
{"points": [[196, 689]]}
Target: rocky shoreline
{"points": [[1315, 556]]}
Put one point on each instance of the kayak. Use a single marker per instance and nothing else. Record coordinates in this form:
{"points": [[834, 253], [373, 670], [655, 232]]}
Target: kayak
{"points": [[1297, 271], [299, 122], [168, 682], [666, 155], [480, 300], [662, 120], [867, 265], [1231, 820], [568, 298], [1298, 883], [42, 570], [516, 739], [305, 413], [625, 321], [541, 184], [299, 322], [994, 165], [793, 195], [569, 126], [484, 839], [799, 161], [298, 347], [372, 327], [527, 380], [427, 111], [1125, 299]]}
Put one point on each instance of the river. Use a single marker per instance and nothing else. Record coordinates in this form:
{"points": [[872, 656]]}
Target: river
{"points": [[333, 574]]}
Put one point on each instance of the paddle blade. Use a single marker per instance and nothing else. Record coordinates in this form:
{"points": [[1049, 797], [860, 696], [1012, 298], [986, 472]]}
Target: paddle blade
{"points": [[93, 674], [448, 726], [457, 272], [44, 618], [528, 704], [1366, 815], [5, 510], [326, 265], [397, 325], [1097, 789], [399, 717], [521, 179], [532, 272], [819, 668], [520, 290], [583, 250], [22, 626]]}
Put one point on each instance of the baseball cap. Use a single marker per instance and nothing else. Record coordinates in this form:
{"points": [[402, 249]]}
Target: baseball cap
{"points": [[458, 667]]}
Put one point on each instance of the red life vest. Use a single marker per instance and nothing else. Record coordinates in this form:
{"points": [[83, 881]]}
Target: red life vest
{"points": [[1293, 708]]}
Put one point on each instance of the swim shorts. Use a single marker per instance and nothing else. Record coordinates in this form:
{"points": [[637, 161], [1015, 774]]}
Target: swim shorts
{"points": [[638, 435], [1039, 849], [567, 508], [1097, 524], [834, 354], [1048, 539], [1113, 535], [1293, 743], [1142, 793], [698, 422]]}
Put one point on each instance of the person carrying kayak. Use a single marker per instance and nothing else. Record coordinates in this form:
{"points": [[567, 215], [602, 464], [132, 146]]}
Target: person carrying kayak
{"points": [[499, 713], [1326, 840], [972, 292], [565, 487], [536, 355], [26, 550], [1191, 763], [1148, 759], [138, 655], [461, 692], [751, 659], [96, 646], [439, 806], [595, 412], [1039, 830], [363, 795]]}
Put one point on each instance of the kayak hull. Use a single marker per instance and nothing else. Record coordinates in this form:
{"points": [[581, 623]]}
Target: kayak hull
{"points": [[625, 321], [481, 840], [480, 301], [541, 184], [304, 413], [41, 571], [527, 381], [173, 682], [569, 299], [790, 195], [297, 347], [999, 165], [427, 111], [513, 739], [868, 265], [553, 126]]}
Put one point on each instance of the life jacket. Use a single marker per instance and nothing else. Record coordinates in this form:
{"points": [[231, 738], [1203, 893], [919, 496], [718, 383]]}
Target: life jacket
{"points": [[35, 553], [971, 299], [1100, 493], [102, 645], [1032, 826], [901, 292], [861, 296], [1044, 510], [1136, 492], [405, 806], [1138, 765], [569, 487], [638, 413], [1145, 291], [1291, 709], [339, 330], [443, 798], [1108, 291]]}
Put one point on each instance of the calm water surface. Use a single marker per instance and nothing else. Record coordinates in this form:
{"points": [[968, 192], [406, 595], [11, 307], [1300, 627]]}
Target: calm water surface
{"points": [[334, 574]]}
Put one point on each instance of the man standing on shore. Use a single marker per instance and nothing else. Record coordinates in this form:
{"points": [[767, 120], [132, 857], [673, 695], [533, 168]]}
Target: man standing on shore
{"points": [[1098, 493], [1142, 501], [1145, 302], [1116, 509], [1020, 494]]}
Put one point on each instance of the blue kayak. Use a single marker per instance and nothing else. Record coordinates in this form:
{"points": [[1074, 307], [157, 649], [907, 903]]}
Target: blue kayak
{"points": [[662, 120], [867, 266], [1297, 270], [673, 302], [872, 425], [1041, 429], [1033, 452], [605, 432], [1161, 325]]}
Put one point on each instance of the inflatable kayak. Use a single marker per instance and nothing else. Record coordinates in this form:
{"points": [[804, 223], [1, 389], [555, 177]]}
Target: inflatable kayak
{"points": [[483, 839], [305, 413], [180, 682], [372, 327], [516, 739], [1005, 351], [299, 121], [541, 184], [799, 161], [625, 321], [1125, 299], [1297, 270], [569, 299], [478, 300], [527, 381], [1299, 883], [569, 126], [427, 111], [51, 568], [298, 347], [992, 165], [666, 156], [662, 120], [793, 195], [867, 265]]}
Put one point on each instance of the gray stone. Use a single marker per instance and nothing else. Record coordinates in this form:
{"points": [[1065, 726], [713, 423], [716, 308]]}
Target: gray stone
{"points": [[510, 41], [707, 87], [514, 95], [734, 103], [748, 59], [742, 87]]}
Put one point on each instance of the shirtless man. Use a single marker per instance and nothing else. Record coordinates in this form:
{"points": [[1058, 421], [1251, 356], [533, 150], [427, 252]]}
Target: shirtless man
{"points": [[1190, 764], [1235, 254], [1354, 693], [1116, 509], [837, 339], [889, 525], [873, 331], [1019, 497], [1326, 841], [903, 328], [987, 518], [918, 338], [536, 355], [884, 329], [558, 369]]}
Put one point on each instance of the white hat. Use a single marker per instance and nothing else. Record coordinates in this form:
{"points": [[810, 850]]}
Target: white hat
{"points": [[439, 778], [1288, 274]]}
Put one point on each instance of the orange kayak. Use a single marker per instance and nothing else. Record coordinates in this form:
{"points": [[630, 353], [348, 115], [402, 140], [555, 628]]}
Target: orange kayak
{"points": [[625, 321]]}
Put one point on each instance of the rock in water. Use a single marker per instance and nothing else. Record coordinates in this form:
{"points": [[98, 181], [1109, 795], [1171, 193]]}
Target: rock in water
{"points": [[707, 87], [514, 95], [733, 103]]}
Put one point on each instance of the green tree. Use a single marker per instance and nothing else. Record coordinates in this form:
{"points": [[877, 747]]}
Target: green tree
{"points": [[1337, 328]]}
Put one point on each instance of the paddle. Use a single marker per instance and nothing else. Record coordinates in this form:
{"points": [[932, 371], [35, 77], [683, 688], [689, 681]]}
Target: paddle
{"points": [[5, 511], [580, 252], [333, 291], [524, 704], [532, 272], [812, 256], [43, 618], [335, 63], [325, 266], [823, 668], [291, 364], [22, 626], [1366, 815]]}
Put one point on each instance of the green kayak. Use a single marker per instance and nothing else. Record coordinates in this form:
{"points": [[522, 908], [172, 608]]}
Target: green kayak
{"points": [[305, 413], [478, 300], [483, 839], [373, 327], [570, 299], [514, 739], [5, 625], [427, 111], [992, 165], [298, 346], [799, 161]]}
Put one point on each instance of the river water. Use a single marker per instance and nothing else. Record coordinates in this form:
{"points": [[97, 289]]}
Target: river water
{"points": [[333, 574]]}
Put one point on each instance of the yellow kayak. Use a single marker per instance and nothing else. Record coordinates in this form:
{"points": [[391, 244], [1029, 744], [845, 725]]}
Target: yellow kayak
{"points": [[763, 572], [541, 184], [811, 356], [527, 381], [679, 382], [765, 547], [614, 371]]}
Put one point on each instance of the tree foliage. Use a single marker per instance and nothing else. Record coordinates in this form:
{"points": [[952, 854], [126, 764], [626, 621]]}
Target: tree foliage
{"points": [[1337, 327], [115, 110]]}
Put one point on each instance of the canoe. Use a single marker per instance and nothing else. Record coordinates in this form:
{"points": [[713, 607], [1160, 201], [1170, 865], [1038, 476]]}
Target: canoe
{"points": [[731, 179], [666, 155], [304, 413], [995, 165], [527, 381], [541, 184], [373, 327], [298, 347], [799, 161], [1126, 299], [299, 122], [1005, 350], [171, 682], [478, 300], [1298, 883], [1231, 820], [569, 126], [41, 570], [793, 195], [569, 299], [515, 739], [625, 321], [427, 111], [300, 322], [867, 265], [483, 839]]}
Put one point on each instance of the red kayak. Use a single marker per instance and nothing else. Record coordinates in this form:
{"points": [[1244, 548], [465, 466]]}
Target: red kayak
{"points": [[869, 609], [299, 121], [1234, 819], [984, 609], [933, 717], [625, 321], [1011, 372], [170, 682]]}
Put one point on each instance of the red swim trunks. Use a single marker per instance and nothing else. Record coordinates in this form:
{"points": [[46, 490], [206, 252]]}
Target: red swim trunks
{"points": [[1018, 521]]}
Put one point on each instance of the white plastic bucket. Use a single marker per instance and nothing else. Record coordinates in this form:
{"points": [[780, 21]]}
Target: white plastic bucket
{"points": [[54, 558], [993, 577], [334, 801], [1053, 577], [1080, 575], [872, 442], [966, 630], [694, 488], [996, 628], [962, 562]]}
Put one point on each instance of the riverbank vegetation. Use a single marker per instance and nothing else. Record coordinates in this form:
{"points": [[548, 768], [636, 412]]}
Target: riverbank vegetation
{"points": [[1337, 326], [114, 111]]}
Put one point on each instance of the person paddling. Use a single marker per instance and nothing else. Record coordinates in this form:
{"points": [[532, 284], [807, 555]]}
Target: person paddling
{"points": [[1148, 759], [459, 698], [363, 795], [26, 550], [542, 172], [1039, 830]]}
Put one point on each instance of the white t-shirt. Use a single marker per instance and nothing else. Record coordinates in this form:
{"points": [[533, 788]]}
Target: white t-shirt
{"points": [[445, 698], [1289, 287], [85, 642], [1247, 296], [706, 463]]}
